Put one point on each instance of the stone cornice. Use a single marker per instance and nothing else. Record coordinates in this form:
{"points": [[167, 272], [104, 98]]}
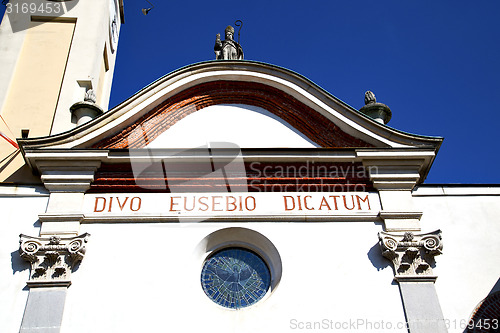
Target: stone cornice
{"points": [[389, 168], [52, 258], [60, 217], [400, 215], [64, 159], [397, 169], [383, 157]]}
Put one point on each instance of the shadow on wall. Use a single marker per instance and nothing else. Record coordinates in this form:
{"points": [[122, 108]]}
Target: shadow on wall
{"points": [[376, 258], [18, 264]]}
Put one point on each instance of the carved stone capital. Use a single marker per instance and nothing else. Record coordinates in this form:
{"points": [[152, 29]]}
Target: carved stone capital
{"points": [[52, 258], [412, 255]]}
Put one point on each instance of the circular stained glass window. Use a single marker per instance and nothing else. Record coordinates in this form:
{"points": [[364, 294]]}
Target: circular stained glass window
{"points": [[235, 278]]}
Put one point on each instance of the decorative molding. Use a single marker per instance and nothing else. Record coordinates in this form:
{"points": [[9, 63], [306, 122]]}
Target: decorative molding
{"points": [[52, 258], [400, 215], [397, 169], [393, 177], [67, 175], [61, 224], [61, 217], [412, 255]]}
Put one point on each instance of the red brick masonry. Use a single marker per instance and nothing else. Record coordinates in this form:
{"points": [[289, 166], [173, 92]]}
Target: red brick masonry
{"points": [[256, 177], [303, 118]]}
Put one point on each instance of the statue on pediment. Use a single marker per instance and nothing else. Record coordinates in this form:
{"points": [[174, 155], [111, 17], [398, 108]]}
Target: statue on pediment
{"points": [[228, 49]]}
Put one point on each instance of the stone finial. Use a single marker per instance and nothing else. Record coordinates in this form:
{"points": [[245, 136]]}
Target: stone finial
{"points": [[228, 49], [87, 110], [411, 255], [52, 258], [378, 111], [90, 96], [370, 98]]}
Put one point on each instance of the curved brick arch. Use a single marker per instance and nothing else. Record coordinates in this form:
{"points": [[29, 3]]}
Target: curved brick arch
{"points": [[306, 120], [485, 314]]}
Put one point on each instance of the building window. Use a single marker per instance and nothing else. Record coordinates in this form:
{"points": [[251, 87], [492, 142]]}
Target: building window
{"points": [[486, 316], [235, 278]]}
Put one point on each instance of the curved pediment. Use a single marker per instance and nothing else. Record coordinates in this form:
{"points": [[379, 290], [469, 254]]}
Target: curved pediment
{"points": [[287, 104], [303, 119]]}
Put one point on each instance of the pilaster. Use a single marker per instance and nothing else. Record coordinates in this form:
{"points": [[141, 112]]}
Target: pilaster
{"points": [[59, 249], [395, 178], [52, 260], [412, 257], [67, 182]]}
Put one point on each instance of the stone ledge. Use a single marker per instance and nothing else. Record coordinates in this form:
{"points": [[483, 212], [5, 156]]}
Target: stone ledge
{"points": [[400, 215]]}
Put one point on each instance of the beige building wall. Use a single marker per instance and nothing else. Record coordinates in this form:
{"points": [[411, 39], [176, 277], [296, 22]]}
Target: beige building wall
{"points": [[36, 84], [33, 94], [47, 67], [103, 79]]}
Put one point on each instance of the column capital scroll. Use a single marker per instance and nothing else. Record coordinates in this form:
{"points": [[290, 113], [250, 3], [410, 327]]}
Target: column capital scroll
{"points": [[52, 258], [412, 255]]}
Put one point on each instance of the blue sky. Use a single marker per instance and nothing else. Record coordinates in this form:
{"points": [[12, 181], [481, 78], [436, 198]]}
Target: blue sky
{"points": [[434, 63]]}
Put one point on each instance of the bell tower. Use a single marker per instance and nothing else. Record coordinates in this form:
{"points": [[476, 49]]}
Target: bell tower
{"points": [[52, 54]]}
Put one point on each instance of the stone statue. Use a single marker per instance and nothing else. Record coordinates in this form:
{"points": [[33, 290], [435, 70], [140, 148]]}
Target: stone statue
{"points": [[228, 49]]}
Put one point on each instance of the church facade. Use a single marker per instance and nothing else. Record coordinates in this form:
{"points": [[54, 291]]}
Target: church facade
{"points": [[237, 196]]}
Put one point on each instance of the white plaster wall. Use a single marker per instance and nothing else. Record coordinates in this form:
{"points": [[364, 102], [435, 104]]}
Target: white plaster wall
{"points": [[244, 125], [18, 214], [146, 278], [469, 267]]}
